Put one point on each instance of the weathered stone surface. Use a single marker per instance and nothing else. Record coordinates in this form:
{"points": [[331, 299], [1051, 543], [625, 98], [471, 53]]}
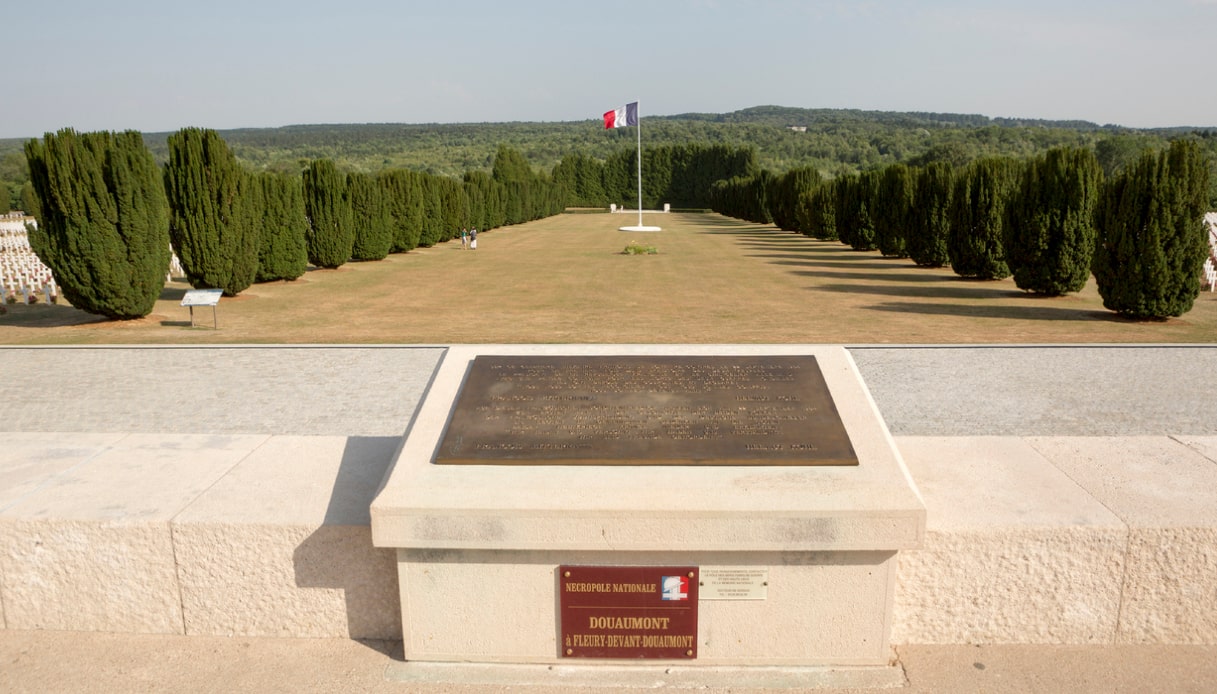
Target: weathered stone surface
{"points": [[282, 547], [473, 536], [1015, 551], [286, 580], [90, 548], [1166, 491], [29, 461], [89, 576], [1170, 593], [865, 507], [823, 607]]}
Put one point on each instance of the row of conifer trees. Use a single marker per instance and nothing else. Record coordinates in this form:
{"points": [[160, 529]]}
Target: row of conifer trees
{"points": [[680, 175], [1050, 221], [109, 214]]}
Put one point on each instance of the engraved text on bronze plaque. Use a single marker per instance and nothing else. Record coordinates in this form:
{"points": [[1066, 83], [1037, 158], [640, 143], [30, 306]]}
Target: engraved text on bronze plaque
{"points": [[645, 410]]}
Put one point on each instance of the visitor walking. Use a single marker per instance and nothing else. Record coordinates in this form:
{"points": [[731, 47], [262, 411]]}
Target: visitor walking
{"points": [[464, 238], [473, 239]]}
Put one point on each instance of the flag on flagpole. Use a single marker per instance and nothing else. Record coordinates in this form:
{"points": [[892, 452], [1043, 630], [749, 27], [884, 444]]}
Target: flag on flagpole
{"points": [[621, 117]]}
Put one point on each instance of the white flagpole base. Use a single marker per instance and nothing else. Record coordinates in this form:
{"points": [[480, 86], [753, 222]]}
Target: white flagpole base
{"points": [[639, 228]]}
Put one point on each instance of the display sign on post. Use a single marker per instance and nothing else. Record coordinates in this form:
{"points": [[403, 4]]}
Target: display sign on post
{"points": [[203, 297], [628, 611]]}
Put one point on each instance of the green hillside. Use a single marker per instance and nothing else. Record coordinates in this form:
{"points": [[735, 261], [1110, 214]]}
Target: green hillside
{"points": [[834, 141]]}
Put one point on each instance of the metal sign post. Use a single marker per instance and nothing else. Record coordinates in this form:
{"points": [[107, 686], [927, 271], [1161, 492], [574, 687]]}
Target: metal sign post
{"points": [[203, 297]]}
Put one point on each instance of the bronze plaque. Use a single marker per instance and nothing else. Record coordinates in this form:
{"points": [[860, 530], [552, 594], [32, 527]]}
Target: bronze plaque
{"points": [[628, 611], [645, 410]]}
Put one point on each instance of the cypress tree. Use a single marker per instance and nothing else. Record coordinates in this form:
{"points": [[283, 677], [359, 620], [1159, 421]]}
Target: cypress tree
{"points": [[403, 201], [977, 212], [855, 205], [370, 217], [931, 226], [283, 253], [479, 187], [1049, 227], [455, 207], [843, 206], [475, 214], [331, 234], [433, 212], [787, 189], [893, 210], [213, 212], [104, 229], [511, 170], [620, 177], [29, 200], [817, 212], [1151, 234]]}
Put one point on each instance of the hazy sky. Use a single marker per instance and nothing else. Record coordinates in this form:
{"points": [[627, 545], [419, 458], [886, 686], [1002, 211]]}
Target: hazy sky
{"points": [[161, 65]]}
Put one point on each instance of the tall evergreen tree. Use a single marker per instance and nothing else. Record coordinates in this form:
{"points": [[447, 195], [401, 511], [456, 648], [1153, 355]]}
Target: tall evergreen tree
{"points": [[855, 210], [283, 253], [371, 218], [454, 206], [1049, 226], [1151, 234], [213, 212], [931, 226], [816, 212], [104, 229], [582, 180], [401, 192], [29, 201], [893, 211], [788, 188], [843, 207], [978, 208], [493, 201], [433, 212], [331, 235]]}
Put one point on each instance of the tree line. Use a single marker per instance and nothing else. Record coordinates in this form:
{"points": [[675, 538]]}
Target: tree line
{"points": [[109, 214], [1049, 221], [680, 175], [1035, 218], [834, 141]]}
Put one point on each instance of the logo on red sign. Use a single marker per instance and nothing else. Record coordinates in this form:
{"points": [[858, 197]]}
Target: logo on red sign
{"points": [[675, 588]]}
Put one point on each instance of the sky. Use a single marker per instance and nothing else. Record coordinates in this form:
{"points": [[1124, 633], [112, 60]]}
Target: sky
{"points": [[161, 65]]}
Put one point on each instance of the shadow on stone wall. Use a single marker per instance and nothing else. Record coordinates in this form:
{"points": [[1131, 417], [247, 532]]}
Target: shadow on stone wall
{"points": [[339, 554]]}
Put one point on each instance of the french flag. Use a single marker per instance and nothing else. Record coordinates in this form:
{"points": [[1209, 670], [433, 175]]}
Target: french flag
{"points": [[619, 118]]}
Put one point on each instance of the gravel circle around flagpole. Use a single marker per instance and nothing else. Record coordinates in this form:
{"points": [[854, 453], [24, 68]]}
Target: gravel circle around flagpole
{"points": [[639, 228]]}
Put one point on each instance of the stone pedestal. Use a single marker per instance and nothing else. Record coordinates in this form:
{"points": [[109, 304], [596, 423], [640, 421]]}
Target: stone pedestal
{"points": [[479, 546]]}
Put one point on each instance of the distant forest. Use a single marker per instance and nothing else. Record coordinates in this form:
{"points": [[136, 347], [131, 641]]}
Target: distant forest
{"points": [[833, 141]]}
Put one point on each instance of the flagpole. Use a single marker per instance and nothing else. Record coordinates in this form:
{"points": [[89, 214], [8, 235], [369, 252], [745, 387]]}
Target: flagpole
{"points": [[639, 112]]}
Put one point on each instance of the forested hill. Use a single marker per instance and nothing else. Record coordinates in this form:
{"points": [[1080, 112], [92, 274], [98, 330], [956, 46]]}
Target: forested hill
{"points": [[786, 116], [834, 140]]}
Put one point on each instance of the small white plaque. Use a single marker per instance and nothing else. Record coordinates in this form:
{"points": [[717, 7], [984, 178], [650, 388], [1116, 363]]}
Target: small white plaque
{"points": [[734, 583], [202, 297]]}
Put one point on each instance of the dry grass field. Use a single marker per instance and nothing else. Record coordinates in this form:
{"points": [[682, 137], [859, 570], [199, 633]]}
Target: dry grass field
{"points": [[565, 279]]}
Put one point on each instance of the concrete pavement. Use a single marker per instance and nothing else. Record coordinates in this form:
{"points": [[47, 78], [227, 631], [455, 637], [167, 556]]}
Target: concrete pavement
{"points": [[340, 391]]}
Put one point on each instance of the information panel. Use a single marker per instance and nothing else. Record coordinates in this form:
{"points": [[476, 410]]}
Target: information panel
{"points": [[646, 410], [628, 611]]}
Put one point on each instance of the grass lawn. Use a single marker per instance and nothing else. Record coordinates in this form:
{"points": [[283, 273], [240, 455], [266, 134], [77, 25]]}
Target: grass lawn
{"points": [[565, 279]]}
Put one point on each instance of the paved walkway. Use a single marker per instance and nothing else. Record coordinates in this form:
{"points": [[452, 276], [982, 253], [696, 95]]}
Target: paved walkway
{"points": [[41, 662], [374, 390]]}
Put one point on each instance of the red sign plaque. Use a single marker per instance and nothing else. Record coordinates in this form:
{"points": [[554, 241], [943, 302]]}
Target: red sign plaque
{"points": [[628, 611]]}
